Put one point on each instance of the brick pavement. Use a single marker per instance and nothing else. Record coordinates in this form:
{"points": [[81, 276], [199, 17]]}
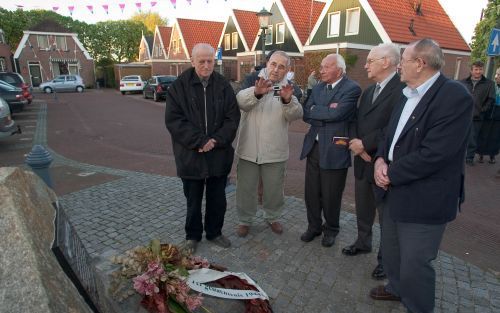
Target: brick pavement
{"points": [[136, 207]]}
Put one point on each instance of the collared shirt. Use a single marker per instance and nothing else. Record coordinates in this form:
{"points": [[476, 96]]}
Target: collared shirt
{"points": [[414, 96], [386, 81]]}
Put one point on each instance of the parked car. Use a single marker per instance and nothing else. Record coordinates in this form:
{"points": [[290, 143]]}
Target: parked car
{"points": [[63, 83], [131, 83], [14, 97], [17, 80], [8, 126], [156, 87]]}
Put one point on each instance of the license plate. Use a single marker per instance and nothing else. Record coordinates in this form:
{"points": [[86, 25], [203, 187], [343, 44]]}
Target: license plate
{"points": [[130, 84]]}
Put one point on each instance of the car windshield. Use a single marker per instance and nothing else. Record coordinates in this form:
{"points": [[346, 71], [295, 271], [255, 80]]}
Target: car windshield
{"points": [[130, 78], [8, 88], [166, 79], [11, 79]]}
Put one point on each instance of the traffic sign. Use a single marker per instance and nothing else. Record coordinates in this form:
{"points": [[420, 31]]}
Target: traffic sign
{"points": [[494, 43], [219, 53]]}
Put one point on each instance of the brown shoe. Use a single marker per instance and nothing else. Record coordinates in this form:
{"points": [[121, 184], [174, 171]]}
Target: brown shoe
{"points": [[242, 230], [276, 227], [379, 293]]}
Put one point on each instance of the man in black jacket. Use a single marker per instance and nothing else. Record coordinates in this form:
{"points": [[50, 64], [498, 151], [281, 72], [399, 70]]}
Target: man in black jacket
{"points": [[483, 92], [202, 116]]}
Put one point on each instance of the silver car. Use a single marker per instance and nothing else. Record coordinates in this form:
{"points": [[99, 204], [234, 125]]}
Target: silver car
{"points": [[7, 125], [63, 83]]}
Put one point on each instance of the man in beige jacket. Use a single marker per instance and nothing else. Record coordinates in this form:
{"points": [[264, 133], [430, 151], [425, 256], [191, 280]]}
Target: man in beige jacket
{"points": [[262, 149]]}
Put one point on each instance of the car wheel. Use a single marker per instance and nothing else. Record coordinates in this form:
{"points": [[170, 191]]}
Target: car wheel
{"points": [[144, 94], [47, 90], [79, 89], [155, 97], [123, 92]]}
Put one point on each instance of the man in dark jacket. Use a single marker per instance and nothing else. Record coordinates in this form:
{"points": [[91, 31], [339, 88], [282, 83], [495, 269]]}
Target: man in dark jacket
{"points": [[202, 117], [483, 92]]}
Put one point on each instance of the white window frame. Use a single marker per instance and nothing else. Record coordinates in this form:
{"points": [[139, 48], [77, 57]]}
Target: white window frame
{"points": [[269, 34], [347, 20], [46, 41], [2, 36], [3, 64], [277, 32], [179, 46], [234, 40], [329, 30], [174, 45], [227, 42], [458, 64], [65, 48]]}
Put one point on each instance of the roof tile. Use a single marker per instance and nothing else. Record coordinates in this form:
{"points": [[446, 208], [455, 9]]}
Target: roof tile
{"points": [[249, 25], [299, 13], [165, 33], [196, 31]]}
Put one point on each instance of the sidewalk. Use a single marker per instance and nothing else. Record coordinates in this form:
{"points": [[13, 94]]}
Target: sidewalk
{"points": [[121, 209]]}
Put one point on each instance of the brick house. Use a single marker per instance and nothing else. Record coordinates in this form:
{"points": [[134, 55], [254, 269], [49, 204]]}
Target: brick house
{"points": [[353, 27], [5, 54], [145, 48], [161, 43], [47, 50], [236, 41]]}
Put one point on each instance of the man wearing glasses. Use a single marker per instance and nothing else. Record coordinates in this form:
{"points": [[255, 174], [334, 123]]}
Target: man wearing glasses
{"points": [[421, 166], [372, 116]]}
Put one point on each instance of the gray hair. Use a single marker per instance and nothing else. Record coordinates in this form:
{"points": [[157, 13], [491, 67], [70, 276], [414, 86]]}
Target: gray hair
{"points": [[283, 54], [339, 60], [430, 52], [390, 51], [200, 47]]}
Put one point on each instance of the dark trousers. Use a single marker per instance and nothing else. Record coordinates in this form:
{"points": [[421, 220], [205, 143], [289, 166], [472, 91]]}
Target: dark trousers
{"points": [[215, 206], [408, 251], [366, 209], [323, 194], [473, 139]]}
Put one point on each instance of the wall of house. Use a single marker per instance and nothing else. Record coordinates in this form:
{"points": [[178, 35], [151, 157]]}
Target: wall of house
{"points": [[160, 68], [42, 56], [178, 54], [7, 55], [456, 66], [229, 69], [230, 29], [122, 70]]}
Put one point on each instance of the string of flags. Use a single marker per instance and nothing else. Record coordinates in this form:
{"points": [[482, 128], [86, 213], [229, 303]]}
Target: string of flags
{"points": [[139, 6]]}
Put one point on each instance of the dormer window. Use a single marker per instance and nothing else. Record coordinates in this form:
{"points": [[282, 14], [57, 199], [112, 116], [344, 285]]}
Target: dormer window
{"points": [[234, 40], [280, 33], [61, 43], [333, 24], [43, 42], [227, 42], [352, 21], [269, 35]]}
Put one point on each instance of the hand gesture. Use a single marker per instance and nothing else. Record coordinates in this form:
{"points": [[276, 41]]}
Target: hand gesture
{"points": [[208, 146], [262, 86], [380, 174], [286, 93]]}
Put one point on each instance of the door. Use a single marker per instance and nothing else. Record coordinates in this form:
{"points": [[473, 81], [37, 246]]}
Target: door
{"points": [[36, 77]]}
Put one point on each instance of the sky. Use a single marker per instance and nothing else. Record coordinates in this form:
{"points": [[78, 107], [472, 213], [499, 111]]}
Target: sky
{"points": [[464, 13]]}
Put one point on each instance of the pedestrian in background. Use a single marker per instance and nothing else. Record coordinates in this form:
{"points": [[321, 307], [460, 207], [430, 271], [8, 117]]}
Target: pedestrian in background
{"points": [[373, 113], [311, 82], [267, 110], [202, 117], [483, 92], [421, 166], [328, 110]]}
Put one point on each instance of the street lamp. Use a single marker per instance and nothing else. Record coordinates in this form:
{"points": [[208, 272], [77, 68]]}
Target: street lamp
{"points": [[264, 16]]}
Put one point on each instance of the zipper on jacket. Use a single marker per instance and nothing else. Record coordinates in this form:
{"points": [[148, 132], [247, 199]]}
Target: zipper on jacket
{"points": [[205, 99]]}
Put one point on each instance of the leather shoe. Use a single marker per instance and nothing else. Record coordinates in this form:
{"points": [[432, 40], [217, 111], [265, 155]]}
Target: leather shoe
{"points": [[309, 235], [242, 230], [379, 273], [276, 227], [328, 240], [379, 293], [190, 246], [353, 250], [221, 241]]}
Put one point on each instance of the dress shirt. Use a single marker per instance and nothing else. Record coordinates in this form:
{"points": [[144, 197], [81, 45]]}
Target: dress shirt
{"points": [[414, 96], [329, 89]]}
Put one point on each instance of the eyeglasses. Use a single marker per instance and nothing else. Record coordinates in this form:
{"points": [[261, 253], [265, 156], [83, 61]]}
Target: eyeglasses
{"points": [[370, 61]]}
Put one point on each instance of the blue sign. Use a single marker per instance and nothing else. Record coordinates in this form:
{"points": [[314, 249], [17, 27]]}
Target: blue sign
{"points": [[494, 43], [219, 53]]}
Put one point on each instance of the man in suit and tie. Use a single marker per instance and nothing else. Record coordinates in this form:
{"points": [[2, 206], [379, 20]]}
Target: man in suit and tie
{"points": [[372, 116], [328, 110], [421, 165]]}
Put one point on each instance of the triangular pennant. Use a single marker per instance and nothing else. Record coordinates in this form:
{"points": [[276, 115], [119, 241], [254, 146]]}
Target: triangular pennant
{"points": [[91, 8], [174, 3], [153, 3], [122, 6], [189, 2], [71, 8], [55, 9], [106, 8], [138, 5]]}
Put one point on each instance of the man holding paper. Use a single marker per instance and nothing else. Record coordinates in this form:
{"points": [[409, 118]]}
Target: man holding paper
{"points": [[328, 110]]}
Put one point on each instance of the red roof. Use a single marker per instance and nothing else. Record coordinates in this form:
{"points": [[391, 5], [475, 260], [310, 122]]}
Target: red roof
{"points": [[249, 25], [165, 33], [196, 31], [298, 11], [396, 16]]}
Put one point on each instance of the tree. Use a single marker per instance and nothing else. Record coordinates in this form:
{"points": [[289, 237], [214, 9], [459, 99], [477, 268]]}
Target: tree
{"points": [[491, 19], [150, 20]]}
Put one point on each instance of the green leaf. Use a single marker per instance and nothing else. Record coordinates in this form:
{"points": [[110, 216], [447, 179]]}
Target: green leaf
{"points": [[175, 307], [155, 247]]}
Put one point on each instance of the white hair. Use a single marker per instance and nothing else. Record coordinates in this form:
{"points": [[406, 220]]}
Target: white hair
{"points": [[202, 47], [390, 51]]}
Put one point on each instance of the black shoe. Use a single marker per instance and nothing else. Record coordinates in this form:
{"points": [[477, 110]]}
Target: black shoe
{"points": [[469, 162], [309, 235], [327, 240], [379, 273], [481, 159], [352, 250], [492, 159]]}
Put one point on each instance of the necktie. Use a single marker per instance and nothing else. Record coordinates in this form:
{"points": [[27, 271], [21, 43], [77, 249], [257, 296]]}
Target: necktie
{"points": [[376, 92], [329, 87]]}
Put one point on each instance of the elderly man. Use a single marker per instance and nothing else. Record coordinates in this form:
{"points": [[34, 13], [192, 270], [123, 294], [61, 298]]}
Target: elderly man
{"points": [[262, 149], [421, 165], [328, 110], [372, 116], [202, 117]]}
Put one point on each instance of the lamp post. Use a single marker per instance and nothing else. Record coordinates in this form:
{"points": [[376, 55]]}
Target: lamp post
{"points": [[264, 16]]}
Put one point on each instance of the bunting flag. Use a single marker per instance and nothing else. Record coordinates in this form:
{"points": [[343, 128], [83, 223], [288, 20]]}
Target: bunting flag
{"points": [[189, 2], [153, 3], [122, 6], [106, 8], [20, 6], [55, 9], [91, 8], [174, 3], [138, 5], [71, 8]]}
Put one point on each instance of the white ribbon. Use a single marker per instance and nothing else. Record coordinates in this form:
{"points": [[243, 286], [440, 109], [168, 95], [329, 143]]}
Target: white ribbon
{"points": [[197, 280]]}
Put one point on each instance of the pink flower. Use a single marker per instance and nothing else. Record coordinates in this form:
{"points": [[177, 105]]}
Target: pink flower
{"points": [[193, 302], [155, 269], [199, 262], [144, 285]]}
